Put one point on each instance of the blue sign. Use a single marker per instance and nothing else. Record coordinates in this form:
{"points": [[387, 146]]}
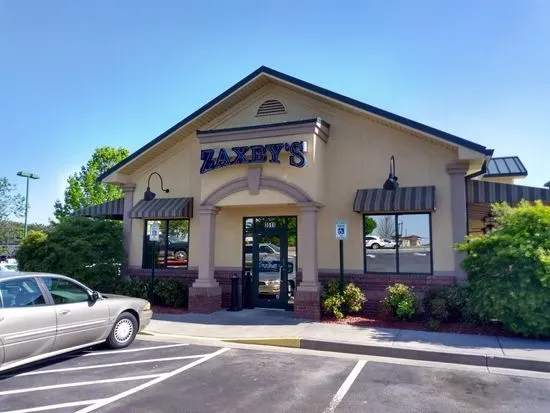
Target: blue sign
{"points": [[274, 266], [218, 158]]}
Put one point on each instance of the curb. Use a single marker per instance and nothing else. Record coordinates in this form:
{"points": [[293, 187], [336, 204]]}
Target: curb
{"points": [[436, 356], [274, 342], [483, 360]]}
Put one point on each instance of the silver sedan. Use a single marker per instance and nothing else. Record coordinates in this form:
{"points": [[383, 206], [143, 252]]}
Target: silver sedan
{"points": [[43, 315]]}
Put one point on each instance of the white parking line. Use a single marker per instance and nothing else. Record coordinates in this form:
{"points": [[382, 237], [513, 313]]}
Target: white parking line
{"points": [[345, 386], [80, 383], [97, 366], [151, 383], [54, 406], [131, 350]]}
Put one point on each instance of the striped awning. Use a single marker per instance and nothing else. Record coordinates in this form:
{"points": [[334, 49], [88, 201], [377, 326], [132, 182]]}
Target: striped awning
{"points": [[163, 208], [110, 210], [484, 192], [403, 199]]}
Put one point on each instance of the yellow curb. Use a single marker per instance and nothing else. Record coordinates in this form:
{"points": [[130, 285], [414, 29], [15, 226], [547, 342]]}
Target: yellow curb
{"points": [[154, 334], [277, 341]]}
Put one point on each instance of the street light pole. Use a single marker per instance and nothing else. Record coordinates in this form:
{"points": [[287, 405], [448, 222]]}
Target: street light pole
{"points": [[31, 176]]}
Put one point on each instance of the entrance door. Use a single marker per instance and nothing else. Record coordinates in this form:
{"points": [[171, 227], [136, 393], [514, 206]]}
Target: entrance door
{"points": [[270, 267]]}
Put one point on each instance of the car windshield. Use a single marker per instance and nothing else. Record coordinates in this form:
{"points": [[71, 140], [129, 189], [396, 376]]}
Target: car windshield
{"points": [[275, 248], [10, 267]]}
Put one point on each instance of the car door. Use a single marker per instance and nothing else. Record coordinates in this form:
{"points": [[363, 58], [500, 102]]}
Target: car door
{"points": [[27, 322], [80, 320]]}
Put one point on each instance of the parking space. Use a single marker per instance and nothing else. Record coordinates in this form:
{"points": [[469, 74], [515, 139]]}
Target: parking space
{"points": [[153, 376], [88, 379]]}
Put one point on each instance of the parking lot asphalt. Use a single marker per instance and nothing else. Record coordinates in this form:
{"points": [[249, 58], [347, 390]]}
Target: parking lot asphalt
{"points": [[153, 376]]}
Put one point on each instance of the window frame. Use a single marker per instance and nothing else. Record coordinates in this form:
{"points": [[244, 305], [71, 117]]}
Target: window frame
{"points": [[396, 215], [164, 227]]}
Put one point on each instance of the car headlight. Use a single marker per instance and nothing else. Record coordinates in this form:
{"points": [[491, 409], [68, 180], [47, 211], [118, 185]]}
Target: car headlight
{"points": [[147, 307]]}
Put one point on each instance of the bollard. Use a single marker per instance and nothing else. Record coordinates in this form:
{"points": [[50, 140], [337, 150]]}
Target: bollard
{"points": [[247, 290], [235, 306]]}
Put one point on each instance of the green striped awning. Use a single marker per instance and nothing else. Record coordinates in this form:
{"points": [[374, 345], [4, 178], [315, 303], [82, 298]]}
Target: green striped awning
{"points": [[110, 210], [403, 199], [484, 192], [163, 208]]}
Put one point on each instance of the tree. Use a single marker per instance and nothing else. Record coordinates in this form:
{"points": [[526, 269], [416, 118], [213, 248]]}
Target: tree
{"points": [[369, 225], [89, 250], [11, 204], [387, 227], [509, 269], [83, 188]]}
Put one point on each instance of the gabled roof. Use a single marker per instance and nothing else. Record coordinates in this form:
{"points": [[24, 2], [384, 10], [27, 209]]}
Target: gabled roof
{"points": [[260, 78], [505, 166]]}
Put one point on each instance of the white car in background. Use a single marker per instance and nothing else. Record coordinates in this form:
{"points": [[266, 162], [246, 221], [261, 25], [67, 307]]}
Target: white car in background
{"points": [[388, 243], [374, 242], [8, 267]]}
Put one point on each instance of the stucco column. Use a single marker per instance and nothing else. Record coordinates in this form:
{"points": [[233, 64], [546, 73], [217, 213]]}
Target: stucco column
{"points": [[307, 302], [457, 172], [128, 190], [205, 296]]}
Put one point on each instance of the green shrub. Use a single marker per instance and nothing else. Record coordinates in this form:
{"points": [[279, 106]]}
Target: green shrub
{"points": [[437, 309], [171, 293], [450, 304], [509, 269], [167, 292], [338, 304], [433, 324], [401, 301], [138, 288], [89, 250]]}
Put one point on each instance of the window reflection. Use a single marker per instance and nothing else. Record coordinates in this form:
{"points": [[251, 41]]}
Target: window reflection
{"points": [[172, 249], [415, 244], [398, 243], [380, 243]]}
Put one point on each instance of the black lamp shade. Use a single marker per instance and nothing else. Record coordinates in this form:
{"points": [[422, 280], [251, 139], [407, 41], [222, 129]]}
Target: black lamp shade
{"points": [[391, 183], [149, 195]]}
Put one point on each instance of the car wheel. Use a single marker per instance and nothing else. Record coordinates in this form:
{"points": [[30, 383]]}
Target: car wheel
{"points": [[124, 331], [375, 246], [180, 255]]}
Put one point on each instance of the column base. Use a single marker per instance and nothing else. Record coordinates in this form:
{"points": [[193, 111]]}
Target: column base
{"points": [[205, 299], [307, 304]]}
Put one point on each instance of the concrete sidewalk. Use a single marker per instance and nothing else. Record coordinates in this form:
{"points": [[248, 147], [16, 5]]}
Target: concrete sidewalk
{"points": [[277, 327]]}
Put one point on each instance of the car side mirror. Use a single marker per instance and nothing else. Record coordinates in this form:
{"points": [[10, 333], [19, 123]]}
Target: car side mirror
{"points": [[94, 296]]}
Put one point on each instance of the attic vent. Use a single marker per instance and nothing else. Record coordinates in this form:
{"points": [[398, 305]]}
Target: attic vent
{"points": [[271, 107]]}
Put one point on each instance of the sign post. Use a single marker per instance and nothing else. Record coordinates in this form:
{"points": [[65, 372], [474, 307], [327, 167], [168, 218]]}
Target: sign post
{"points": [[341, 235], [153, 238]]}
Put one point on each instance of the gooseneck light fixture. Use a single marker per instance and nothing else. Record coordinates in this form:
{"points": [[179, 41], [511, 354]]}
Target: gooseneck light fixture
{"points": [[489, 222], [391, 183], [149, 195]]}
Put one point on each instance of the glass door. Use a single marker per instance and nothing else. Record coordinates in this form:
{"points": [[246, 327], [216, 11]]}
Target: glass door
{"points": [[270, 267]]}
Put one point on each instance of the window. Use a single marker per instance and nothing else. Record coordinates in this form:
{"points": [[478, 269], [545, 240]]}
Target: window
{"points": [[20, 293], [65, 291], [398, 243], [172, 249]]}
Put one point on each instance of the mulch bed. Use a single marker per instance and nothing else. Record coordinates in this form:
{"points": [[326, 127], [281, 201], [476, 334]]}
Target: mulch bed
{"points": [[378, 322], [160, 309]]}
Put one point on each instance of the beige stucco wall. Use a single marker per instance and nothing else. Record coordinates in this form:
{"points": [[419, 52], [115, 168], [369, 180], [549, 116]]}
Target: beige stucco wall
{"points": [[355, 156]]}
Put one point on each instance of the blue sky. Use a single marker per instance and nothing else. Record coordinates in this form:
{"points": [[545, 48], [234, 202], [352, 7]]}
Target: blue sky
{"points": [[78, 75]]}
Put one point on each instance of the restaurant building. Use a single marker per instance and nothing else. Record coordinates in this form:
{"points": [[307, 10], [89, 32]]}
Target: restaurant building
{"points": [[254, 182]]}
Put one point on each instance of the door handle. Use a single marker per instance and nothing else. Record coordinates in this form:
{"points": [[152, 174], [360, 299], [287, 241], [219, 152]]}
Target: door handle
{"points": [[64, 312]]}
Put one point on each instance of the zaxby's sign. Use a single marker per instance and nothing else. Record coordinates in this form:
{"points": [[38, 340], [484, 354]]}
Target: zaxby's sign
{"points": [[218, 158]]}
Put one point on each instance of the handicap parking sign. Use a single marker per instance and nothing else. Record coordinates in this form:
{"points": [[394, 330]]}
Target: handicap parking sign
{"points": [[154, 236], [341, 230]]}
